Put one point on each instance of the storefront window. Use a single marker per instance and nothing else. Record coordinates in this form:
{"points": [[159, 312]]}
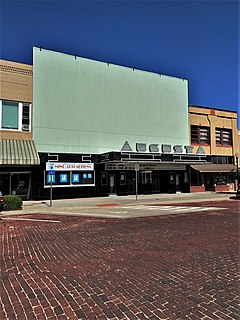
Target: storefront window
{"points": [[222, 160], [221, 180], [20, 184]]}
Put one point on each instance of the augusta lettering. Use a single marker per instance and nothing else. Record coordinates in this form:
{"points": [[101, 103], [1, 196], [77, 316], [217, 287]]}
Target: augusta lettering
{"points": [[163, 148]]}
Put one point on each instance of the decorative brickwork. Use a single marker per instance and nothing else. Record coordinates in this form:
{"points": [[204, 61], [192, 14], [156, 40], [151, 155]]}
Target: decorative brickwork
{"points": [[16, 81], [17, 70]]}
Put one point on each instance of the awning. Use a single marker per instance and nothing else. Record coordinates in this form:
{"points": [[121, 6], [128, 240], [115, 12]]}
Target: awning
{"points": [[18, 152], [212, 167]]}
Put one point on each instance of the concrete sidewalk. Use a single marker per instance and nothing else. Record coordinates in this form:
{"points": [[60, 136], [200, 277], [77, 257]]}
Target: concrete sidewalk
{"points": [[31, 207]]}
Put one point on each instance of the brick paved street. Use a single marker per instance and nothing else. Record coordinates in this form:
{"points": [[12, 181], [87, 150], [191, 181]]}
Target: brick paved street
{"points": [[182, 266]]}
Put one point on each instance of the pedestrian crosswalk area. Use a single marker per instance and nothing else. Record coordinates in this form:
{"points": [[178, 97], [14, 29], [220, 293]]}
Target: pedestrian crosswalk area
{"points": [[140, 210], [172, 209]]}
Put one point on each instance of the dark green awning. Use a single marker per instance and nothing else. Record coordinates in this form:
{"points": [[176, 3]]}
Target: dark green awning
{"points": [[18, 152]]}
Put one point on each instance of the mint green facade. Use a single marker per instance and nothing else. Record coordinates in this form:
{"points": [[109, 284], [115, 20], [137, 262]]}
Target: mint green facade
{"points": [[86, 106]]}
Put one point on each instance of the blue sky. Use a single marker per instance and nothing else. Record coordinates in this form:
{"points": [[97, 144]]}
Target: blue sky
{"points": [[196, 40]]}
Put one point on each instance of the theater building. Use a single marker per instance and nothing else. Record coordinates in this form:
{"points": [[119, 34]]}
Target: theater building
{"points": [[124, 121], [97, 129]]}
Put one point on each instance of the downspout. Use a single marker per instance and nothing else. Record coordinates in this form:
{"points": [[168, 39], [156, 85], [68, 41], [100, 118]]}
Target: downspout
{"points": [[234, 134], [210, 126], [211, 139]]}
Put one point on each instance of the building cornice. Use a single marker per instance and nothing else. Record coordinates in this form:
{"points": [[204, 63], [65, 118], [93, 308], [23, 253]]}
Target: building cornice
{"points": [[14, 67]]}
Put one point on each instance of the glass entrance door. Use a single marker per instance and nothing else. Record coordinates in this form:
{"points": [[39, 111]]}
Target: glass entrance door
{"points": [[145, 182], [20, 184], [112, 183], [156, 181], [178, 182], [5, 183]]}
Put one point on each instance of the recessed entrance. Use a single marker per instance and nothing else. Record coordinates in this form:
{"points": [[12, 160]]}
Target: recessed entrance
{"points": [[16, 183]]}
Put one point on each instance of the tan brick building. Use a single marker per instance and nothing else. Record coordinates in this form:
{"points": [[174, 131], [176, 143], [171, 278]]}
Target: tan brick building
{"points": [[16, 89], [216, 132], [17, 150]]}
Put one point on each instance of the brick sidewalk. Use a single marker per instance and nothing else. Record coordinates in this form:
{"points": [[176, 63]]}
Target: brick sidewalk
{"points": [[168, 267]]}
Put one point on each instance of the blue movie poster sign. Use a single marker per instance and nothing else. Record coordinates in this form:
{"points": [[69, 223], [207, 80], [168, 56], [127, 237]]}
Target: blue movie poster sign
{"points": [[75, 178], [63, 177], [51, 178]]}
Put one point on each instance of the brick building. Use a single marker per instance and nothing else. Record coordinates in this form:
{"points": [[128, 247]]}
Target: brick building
{"points": [[215, 131], [18, 154]]}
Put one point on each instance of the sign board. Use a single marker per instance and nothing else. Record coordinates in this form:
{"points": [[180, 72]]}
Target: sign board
{"points": [[69, 166], [157, 148], [143, 166], [65, 179], [69, 174], [120, 166]]}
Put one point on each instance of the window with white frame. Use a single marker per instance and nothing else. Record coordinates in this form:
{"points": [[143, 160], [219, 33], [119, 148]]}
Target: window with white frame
{"points": [[15, 116]]}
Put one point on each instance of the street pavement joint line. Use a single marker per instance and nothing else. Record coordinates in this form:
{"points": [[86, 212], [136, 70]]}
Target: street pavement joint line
{"points": [[141, 206], [107, 204], [212, 208], [201, 208], [174, 208], [187, 208], [164, 208], [100, 215], [167, 208], [119, 212], [29, 219]]}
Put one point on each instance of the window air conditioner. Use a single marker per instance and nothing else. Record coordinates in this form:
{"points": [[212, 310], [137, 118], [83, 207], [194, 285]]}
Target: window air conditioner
{"points": [[25, 127]]}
